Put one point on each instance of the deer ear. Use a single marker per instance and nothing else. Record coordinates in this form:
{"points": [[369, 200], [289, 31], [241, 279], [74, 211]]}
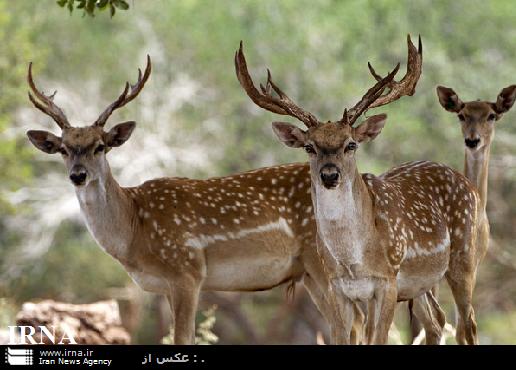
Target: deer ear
{"points": [[289, 135], [505, 100], [45, 141], [119, 134], [449, 99], [370, 128]]}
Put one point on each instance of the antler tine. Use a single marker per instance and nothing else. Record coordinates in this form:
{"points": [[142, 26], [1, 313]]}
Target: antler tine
{"points": [[46, 103], [262, 100], [345, 118], [407, 85], [369, 98], [373, 72], [130, 92], [280, 105]]}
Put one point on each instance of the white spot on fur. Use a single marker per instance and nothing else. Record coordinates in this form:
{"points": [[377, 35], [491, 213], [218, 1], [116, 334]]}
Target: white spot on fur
{"points": [[416, 250], [202, 241]]}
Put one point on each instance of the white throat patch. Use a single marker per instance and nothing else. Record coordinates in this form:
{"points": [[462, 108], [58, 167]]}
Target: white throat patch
{"points": [[334, 204], [336, 217]]}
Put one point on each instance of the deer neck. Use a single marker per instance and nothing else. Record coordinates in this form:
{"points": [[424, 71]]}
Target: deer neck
{"points": [[344, 218], [107, 210], [476, 170]]}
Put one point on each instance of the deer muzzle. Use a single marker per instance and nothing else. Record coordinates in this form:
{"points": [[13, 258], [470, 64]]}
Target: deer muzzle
{"points": [[330, 175], [472, 143], [78, 175]]}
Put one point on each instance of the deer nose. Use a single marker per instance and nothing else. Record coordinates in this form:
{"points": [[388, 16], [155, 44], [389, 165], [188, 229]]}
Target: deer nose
{"points": [[330, 176], [78, 175], [472, 143]]}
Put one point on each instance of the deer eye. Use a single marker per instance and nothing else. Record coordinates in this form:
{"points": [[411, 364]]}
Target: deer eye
{"points": [[99, 149], [63, 151], [461, 118], [351, 146], [309, 149], [491, 117]]}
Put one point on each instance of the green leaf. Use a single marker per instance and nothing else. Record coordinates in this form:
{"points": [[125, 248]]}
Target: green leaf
{"points": [[112, 9], [62, 3], [70, 5], [90, 7], [102, 4], [122, 4]]}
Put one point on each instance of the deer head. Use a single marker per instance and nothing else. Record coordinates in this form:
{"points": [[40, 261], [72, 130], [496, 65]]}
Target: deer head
{"points": [[84, 148], [331, 145], [477, 118]]}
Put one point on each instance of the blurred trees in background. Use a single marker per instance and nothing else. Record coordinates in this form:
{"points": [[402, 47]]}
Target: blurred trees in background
{"points": [[194, 120]]}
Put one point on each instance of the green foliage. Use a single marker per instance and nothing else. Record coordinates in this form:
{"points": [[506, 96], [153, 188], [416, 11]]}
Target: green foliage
{"points": [[7, 312], [73, 270], [205, 333], [17, 47], [499, 328], [89, 7]]}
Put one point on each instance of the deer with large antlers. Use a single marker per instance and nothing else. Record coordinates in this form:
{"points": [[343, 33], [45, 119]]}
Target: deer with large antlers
{"points": [[175, 236], [387, 238]]}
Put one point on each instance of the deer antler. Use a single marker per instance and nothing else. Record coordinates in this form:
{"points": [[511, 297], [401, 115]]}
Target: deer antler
{"points": [[130, 92], [372, 99], [281, 104], [350, 116], [407, 85], [45, 103]]}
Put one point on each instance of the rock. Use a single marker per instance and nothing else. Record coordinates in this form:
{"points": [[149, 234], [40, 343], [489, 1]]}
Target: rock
{"points": [[95, 323]]}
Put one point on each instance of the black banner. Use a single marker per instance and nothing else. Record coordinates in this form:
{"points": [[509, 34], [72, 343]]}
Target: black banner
{"points": [[224, 357]]}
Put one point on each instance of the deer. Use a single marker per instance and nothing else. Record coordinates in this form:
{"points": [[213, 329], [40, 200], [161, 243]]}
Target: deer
{"points": [[477, 120], [250, 231], [388, 238]]}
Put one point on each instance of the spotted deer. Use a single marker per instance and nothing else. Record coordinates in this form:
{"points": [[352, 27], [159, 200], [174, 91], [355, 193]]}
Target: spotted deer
{"points": [[386, 238], [176, 236], [477, 119]]}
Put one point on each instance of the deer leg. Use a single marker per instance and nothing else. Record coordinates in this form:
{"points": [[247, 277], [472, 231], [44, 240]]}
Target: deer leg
{"points": [[322, 304], [437, 311], [386, 297], [318, 284], [370, 321], [431, 316], [415, 324], [461, 285], [346, 319], [358, 325], [183, 300], [172, 315], [345, 312]]}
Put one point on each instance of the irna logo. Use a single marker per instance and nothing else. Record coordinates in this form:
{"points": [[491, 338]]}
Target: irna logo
{"points": [[23, 334]]}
